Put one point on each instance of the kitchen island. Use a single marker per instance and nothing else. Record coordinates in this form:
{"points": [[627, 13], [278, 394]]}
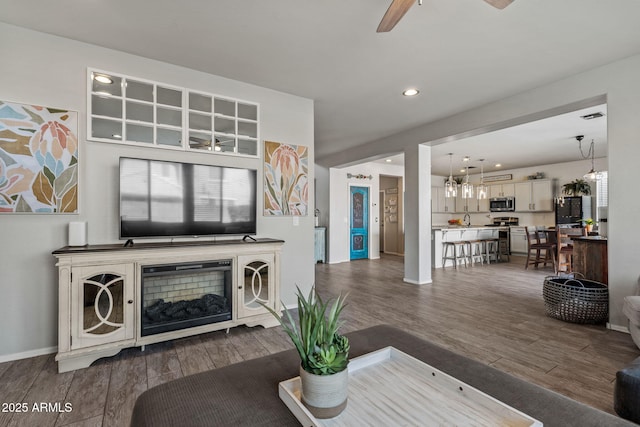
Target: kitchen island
{"points": [[440, 234], [590, 258]]}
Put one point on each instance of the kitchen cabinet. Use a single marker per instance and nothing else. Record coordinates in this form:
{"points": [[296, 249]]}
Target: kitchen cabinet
{"points": [[502, 190], [483, 205], [440, 203], [471, 205], [534, 196], [518, 240], [467, 205]]}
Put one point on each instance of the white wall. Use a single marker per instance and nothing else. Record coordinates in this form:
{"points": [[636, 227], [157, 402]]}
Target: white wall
{"points": [[338, 240], [50, 71]]}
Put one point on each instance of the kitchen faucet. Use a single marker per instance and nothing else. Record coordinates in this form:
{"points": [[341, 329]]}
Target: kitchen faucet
{"points": [[467, 220]]}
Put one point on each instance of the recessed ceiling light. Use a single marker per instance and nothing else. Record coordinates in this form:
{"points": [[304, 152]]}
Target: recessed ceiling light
{"points": [[115, 135], [462, 170], [498, 165], [411, 92], [388, 160], [101, 78], [466, 159]]}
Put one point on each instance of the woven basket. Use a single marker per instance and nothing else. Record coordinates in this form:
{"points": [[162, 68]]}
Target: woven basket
{"points": [[575, 300]]}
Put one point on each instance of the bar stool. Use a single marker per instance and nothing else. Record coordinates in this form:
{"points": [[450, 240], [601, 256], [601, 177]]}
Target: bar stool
{"points": [[476, 250], [458, 252], [503, 246], [492, 247]]}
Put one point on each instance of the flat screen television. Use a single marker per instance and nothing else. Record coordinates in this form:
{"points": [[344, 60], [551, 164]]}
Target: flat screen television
{"points": [[171, 199]]}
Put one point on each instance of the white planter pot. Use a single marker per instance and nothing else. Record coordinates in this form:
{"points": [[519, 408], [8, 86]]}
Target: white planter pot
{"points": [[325, 396]]}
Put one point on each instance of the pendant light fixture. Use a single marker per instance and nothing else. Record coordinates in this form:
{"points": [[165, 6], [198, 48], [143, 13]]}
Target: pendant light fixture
{"points": [[467, 189], [592, 175], [450, 186], [482, 189]]}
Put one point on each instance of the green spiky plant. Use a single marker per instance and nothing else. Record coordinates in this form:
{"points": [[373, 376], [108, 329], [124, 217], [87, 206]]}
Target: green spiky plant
{"points": [[322, 350]]}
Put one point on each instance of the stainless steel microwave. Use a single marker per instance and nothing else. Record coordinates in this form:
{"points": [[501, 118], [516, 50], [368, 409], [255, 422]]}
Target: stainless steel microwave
{"points": [[502, 204]]}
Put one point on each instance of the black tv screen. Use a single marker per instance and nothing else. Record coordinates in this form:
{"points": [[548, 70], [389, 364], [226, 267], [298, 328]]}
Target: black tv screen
{"points": [[167, 199]]}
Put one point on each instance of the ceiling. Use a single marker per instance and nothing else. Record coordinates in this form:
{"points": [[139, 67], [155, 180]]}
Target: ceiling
{"points": [[459, 53], [542, 142]]}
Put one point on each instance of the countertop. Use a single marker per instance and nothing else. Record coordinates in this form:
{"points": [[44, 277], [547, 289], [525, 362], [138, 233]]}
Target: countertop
{"points": [[591, 238], [471, 227]]}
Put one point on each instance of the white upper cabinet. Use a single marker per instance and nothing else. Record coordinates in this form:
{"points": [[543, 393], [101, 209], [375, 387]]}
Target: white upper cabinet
{"points": [[534, 196], [501, 190], [440, 203]]}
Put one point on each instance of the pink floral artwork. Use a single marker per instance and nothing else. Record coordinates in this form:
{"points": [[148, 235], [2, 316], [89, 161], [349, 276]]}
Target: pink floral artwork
{"points": [[286, 183], [38, 159]]}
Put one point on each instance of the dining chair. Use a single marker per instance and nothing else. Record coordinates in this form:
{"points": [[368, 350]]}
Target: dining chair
{"points": [[538, 240], [564, 247]]}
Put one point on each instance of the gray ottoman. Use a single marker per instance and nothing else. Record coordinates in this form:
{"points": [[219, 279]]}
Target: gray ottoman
{"points": [[626, 395]]}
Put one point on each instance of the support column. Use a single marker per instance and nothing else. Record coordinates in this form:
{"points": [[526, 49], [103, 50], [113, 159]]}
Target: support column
{"points": [[417, 215]]}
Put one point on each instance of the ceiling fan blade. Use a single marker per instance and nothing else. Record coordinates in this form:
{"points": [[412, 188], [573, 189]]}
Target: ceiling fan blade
{"points": [[396, 11], [500, 4]]}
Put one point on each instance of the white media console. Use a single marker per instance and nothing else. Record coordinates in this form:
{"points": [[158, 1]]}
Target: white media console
{"points": [[113, 297]]}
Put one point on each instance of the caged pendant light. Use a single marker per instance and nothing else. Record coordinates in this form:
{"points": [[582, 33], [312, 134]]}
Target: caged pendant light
{"points": [[467, 189], [482, 189], [450, 186]]}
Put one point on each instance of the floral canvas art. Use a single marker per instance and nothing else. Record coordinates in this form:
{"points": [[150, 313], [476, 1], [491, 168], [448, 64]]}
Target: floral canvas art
{"points": [[38, 159], [286, 179]]}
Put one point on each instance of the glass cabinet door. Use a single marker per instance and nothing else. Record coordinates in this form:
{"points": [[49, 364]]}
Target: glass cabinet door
{"points": [[102, 305], [255, 284]]}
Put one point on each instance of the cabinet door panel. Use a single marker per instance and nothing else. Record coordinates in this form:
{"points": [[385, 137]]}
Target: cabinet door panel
{"points": [[523, 196], [508, 190], [100, 309], [541, 195], [483, 205], [502, 190], [255, 284]]}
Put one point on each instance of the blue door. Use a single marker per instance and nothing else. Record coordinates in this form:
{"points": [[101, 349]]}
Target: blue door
{"points": [[359, 219]]}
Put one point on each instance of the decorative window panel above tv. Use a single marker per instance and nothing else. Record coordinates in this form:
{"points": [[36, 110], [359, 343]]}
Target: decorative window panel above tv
{"points": [[135, 111]]}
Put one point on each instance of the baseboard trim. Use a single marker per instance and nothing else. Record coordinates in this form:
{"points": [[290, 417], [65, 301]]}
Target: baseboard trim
{"points": [[393, 253], [618, 328], [27, 354], [415, 282]]}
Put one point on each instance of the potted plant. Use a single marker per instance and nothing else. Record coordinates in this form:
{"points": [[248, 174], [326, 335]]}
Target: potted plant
{"points": [[323, 353], [577, 187], [588, 224]]}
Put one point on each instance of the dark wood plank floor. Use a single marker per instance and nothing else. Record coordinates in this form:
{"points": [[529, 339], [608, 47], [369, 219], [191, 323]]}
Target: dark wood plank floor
{"points": [[494, 314]]}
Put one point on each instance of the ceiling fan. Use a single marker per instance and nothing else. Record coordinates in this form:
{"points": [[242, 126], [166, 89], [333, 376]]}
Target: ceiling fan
{"points": [[398, 8]]}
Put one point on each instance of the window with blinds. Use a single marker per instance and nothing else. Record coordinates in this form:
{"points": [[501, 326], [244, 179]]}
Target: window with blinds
{"points": [[602, 194]]}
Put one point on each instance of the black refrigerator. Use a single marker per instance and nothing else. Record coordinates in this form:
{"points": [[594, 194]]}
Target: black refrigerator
{"points": [[573, 210]]}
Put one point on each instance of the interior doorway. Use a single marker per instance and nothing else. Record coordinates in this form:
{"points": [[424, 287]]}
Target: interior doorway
{"points": [[391, 207], [359, 222]]}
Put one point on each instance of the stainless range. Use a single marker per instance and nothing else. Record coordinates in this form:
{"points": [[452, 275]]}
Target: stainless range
{"points": [[504, 221], [504, 235]]}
